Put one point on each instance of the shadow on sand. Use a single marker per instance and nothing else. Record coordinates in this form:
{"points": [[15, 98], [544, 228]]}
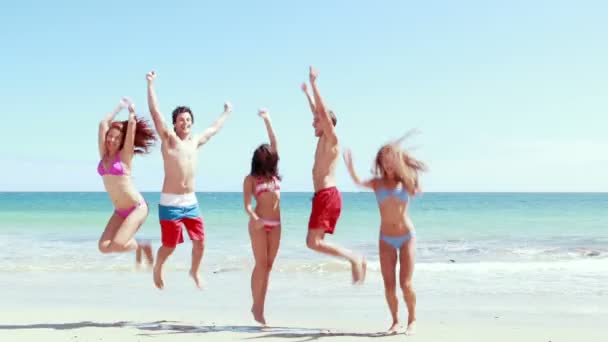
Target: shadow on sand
{"points": [[168, 327]]}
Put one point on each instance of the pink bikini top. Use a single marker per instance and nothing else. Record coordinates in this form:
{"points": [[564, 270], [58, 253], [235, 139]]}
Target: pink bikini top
{"points": [[261, 186], [116, 168]]}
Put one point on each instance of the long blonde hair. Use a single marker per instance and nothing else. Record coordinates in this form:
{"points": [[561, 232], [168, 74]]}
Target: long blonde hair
{"points": [[407, 167]]}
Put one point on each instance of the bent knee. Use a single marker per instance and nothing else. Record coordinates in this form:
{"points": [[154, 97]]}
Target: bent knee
{"points": [[313, 243], [310, 244], [104, 248], [118, 245]]}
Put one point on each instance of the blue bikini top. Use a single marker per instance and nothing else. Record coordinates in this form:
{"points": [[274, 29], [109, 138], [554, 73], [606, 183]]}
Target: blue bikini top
{"points": [[383, 193]]}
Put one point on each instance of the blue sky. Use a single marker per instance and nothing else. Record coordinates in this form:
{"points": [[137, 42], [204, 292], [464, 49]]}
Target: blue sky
{"points": [[509, 96]]}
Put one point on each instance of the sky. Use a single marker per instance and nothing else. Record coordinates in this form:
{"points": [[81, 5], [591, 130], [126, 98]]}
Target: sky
{"points": [[508, 95]]}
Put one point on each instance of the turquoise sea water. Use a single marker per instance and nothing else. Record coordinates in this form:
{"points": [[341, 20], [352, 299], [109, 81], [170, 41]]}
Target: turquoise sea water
{"points": [[471, 228]]}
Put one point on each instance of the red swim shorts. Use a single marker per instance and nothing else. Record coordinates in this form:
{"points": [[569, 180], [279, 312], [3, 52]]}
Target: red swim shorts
{"points": [[326, 208], [173, 218]]}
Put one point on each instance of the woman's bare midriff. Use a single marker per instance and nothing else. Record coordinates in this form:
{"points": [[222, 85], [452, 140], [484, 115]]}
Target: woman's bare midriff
{"points": [[394, 222], [121, 191], [268, 206], [396, 228]]}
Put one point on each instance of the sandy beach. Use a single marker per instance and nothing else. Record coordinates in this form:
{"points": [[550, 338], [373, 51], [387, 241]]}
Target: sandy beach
{"points": [[130, 309], [99, 326]]}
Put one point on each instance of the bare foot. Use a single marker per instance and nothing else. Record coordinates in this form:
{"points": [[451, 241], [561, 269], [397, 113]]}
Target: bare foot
{"points": [[258, 316], [363, 270], [138, 256], [144, 248], [158, 278], [196, 280], [359, 271], [148, 253], [411, 328], [393, 329]]}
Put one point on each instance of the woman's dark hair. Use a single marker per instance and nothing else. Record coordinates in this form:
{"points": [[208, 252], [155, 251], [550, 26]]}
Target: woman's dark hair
{"points": [[144, 134], [265, 162]]}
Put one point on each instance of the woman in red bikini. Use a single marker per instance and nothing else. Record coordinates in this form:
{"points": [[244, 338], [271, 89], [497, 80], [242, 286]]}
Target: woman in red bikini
{"points": [[265, 220], [119, 141]]}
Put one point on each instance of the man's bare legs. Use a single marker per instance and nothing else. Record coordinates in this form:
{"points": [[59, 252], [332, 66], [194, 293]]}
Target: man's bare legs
{"points": [[198, 248], [315, 241], [164, 252], [162, 255]]}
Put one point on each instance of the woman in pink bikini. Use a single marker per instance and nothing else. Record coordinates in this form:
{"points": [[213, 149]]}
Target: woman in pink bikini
{"points": [[395, 180], [265, 220], [119, 141]]}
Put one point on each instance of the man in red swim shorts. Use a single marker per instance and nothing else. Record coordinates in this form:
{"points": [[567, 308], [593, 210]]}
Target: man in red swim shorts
{"points": [[178, 207], [327, 202]]}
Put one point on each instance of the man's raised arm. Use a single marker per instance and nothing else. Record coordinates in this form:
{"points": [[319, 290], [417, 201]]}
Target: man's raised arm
{"points": [[322, 111], [216, 126], [157, 117]]}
